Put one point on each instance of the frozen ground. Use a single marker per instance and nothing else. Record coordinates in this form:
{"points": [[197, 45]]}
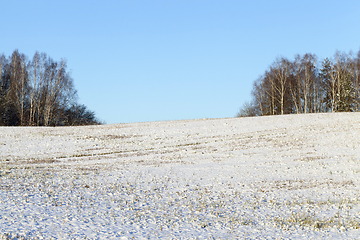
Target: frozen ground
{"points": [[279, 177]]}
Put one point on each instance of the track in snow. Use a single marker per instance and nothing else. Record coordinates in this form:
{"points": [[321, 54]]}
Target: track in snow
{"points": [[293, 176]]}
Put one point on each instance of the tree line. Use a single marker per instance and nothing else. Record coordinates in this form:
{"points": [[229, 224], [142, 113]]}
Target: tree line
{"points": [[39, 92], [302, 86]]}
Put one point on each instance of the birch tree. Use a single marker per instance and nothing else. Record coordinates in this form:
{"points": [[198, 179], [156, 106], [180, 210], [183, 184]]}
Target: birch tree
{"points": [[18, 91], [58, 91], [34, 82], [299, 87], [3, 89], [281, 75], [259, 95], [308, 63], [39, 92]]}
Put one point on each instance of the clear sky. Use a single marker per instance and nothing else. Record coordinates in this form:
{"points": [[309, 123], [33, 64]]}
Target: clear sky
{"points": [[156, 60]]}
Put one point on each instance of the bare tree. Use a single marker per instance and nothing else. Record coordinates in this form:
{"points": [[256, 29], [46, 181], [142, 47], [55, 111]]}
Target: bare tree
{"points": [[3, 89], [269, 88], [34, 87], [308, 63], [259, 96], [281, 76], [298, 75], [39, 92], [299, 87], [22, 90], [59, 91], [18, 91], [294, 83]]}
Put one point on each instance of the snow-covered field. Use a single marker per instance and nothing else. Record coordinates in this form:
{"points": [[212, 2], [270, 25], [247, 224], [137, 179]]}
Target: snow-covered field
{"points": [[278, 177]]}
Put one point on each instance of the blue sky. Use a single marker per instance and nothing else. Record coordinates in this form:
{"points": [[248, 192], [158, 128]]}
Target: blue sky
{"points": [[135, 61]]}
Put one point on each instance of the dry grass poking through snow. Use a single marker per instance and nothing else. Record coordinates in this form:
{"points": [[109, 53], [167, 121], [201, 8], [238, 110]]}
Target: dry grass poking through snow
{"points": [[279, 177]]}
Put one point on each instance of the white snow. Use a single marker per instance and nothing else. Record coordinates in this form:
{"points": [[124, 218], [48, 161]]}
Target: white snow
{"points": [[277, 177]]}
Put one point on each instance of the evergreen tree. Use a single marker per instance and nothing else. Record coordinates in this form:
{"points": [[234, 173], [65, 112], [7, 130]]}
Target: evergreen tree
{"points": [[298, 87], [328, 85], [346, 96]]}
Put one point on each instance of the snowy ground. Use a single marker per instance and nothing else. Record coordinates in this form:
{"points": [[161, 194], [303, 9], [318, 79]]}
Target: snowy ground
{"points": [[279, 177]]}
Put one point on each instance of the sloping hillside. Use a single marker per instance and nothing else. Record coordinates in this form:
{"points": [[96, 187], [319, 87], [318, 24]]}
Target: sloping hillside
{"points": [[292, 176]]}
